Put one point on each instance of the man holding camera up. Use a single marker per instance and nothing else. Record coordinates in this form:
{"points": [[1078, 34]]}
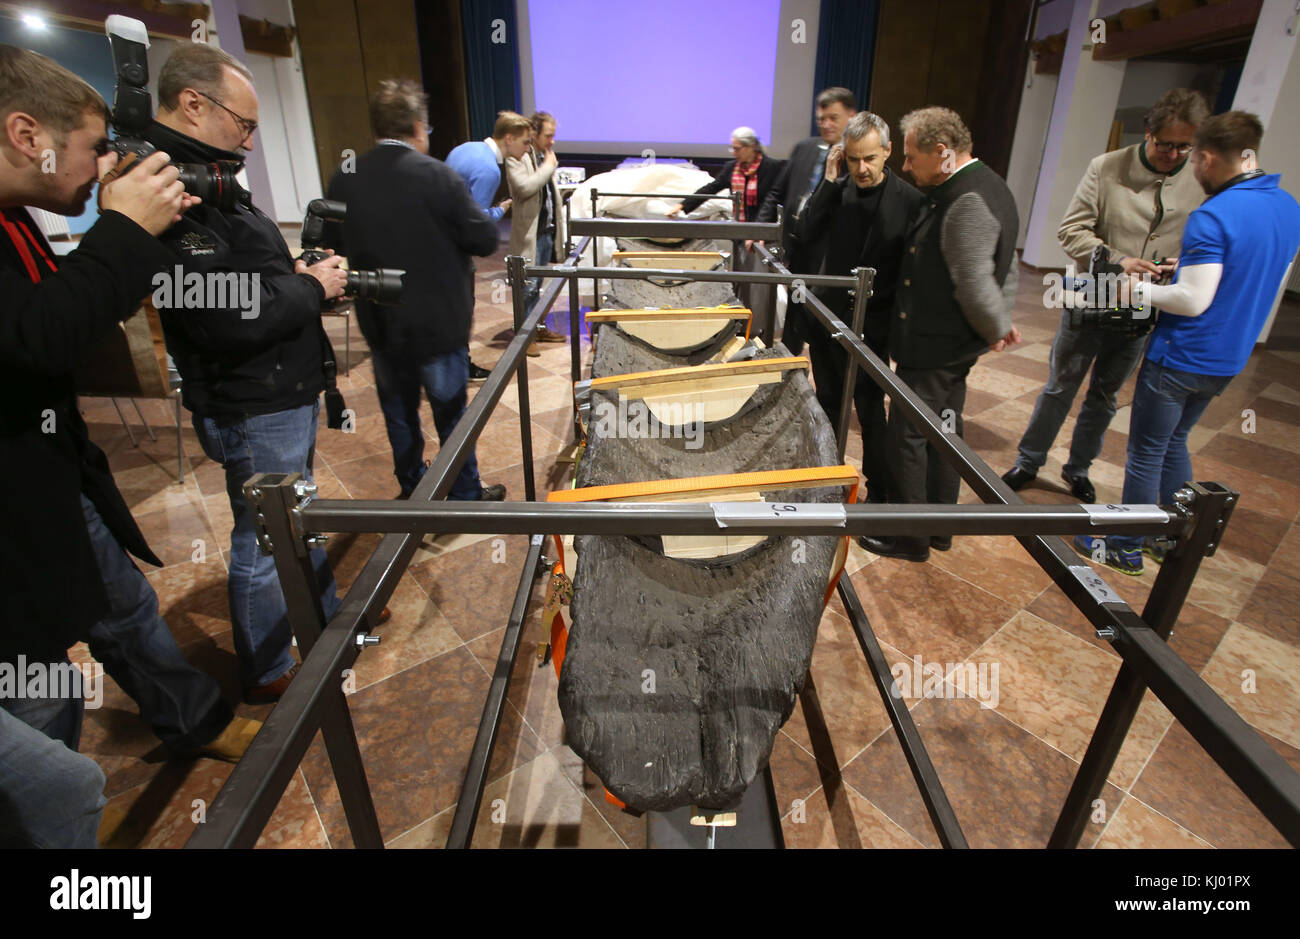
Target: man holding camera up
{"points": [[410, 211], [65, 575], [1236, 252], [1135, 201], [253, 373]]}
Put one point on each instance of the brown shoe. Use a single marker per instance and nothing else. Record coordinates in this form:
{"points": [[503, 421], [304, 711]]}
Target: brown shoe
{"points": [[231, 743], [271, 691], [546, 334], [533, 352]]}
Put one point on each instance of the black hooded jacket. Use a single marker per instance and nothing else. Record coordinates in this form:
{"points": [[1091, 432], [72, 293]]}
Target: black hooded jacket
{"points": [[239, 359]]}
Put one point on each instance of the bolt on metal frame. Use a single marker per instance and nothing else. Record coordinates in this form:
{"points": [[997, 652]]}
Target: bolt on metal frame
{"points": [[315, 699]]}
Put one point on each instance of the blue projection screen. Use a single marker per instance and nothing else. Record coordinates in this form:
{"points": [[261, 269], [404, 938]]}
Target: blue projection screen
{"points": [[678, 74]]}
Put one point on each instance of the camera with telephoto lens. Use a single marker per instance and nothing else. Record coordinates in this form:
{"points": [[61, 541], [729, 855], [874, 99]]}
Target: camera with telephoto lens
{"points": [[1100, 305], [214, 183], [381, 286]]}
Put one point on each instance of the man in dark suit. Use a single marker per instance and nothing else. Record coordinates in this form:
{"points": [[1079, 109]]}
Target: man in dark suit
{"points": [[862, 217], [408, 211], [65, 575], [802, 173], [953, 303]]}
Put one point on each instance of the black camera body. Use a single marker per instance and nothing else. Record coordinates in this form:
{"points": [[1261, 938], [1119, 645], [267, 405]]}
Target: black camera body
{"points": [[214, 183], [381, 286], [1104, 310]]}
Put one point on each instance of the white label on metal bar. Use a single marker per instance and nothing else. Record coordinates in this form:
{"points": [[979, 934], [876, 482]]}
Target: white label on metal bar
{"points": [[763, 514], [536, 539], [1110, 512], [1092, 582]]}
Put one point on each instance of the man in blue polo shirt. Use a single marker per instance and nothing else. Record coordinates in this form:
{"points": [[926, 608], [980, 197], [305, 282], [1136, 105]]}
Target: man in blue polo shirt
{"points": [[478, 162], [1237, 248]]}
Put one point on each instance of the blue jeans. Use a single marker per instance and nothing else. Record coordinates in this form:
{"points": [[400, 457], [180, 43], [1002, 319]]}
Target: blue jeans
{"points": [[543, 254], [1166, 406], [50, 795], [282, 442], [181, 704], [444, 379], [1073, 351]]}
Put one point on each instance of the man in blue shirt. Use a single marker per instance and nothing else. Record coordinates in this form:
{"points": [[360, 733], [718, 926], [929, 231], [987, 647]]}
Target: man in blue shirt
{"points": [[478, 162], [1237, 250]]}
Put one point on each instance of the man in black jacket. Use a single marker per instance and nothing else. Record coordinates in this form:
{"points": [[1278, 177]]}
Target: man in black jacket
{"points": [[861, 216], [799, 179], [953, 304], [409, 211], [249, 343], [65, 576]]}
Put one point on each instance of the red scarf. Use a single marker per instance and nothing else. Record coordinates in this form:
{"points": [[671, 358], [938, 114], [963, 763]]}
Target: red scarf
{"points": [[15, 226], [746, 180]]}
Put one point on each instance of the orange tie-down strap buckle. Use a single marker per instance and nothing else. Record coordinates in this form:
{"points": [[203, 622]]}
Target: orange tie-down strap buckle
{"points": [[559, 592], [720, 313]]}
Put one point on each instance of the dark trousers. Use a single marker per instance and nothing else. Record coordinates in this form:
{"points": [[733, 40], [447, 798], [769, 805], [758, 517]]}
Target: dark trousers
{"points": [[829, 366], [921, 475]]}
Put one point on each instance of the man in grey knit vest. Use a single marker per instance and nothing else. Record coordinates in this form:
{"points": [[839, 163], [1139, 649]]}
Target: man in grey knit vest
{"points": [[1135, 201], [955, 293]]}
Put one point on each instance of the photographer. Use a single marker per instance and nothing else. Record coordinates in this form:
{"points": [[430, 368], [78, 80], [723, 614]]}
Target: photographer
{"points": [[410, 211], [1236, 252], [1134, 201], [65, 576], [253, 372]]}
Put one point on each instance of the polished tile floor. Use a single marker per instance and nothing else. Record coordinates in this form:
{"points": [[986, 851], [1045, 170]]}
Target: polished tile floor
{"points": [[1006, 749]]}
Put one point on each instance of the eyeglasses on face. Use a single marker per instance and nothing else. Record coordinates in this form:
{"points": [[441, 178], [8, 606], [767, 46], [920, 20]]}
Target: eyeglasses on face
{"points": [[245, 126], [1165, 146]]}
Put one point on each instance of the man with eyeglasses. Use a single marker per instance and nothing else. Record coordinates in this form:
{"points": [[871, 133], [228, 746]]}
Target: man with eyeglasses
{"points": [[1135, 201], [253, 356]]}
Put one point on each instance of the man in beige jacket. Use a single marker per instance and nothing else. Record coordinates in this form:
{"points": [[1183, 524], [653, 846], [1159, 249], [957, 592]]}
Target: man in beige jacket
{"points": [[1135, 201], [537, 225]]}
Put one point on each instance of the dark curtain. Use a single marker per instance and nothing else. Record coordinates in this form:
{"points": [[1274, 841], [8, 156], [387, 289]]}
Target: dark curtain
{"points": [[846, 48], [491, 68]]}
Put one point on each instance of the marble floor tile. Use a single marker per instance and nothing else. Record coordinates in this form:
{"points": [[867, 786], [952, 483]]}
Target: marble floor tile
{"points": [[997, 565], [1136, 825], [1259, 677], [475, 586], [1006, 786], [416, 631], [840, 818], [839, 710], [536, 806], [956, 618], [1274, 605], [1185, 785], [166, 812], [415, 730]]}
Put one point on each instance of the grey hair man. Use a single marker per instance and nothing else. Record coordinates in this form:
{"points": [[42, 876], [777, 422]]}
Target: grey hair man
{"points": [[957, 285], [861, 210], [1135, 201]]}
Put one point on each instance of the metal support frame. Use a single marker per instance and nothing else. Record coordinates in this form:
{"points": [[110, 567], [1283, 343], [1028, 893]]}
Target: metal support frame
{"points": [[471, 791], [255, 786]]}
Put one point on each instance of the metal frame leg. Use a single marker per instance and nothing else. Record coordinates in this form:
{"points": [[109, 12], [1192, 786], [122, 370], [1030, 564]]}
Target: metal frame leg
{"points": [[149, 430], [1160, 613], [125, 426], [275, 497], [180, 444]]}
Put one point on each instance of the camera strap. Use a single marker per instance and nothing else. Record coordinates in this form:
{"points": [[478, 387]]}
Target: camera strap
{"points": [[334, 403]]}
